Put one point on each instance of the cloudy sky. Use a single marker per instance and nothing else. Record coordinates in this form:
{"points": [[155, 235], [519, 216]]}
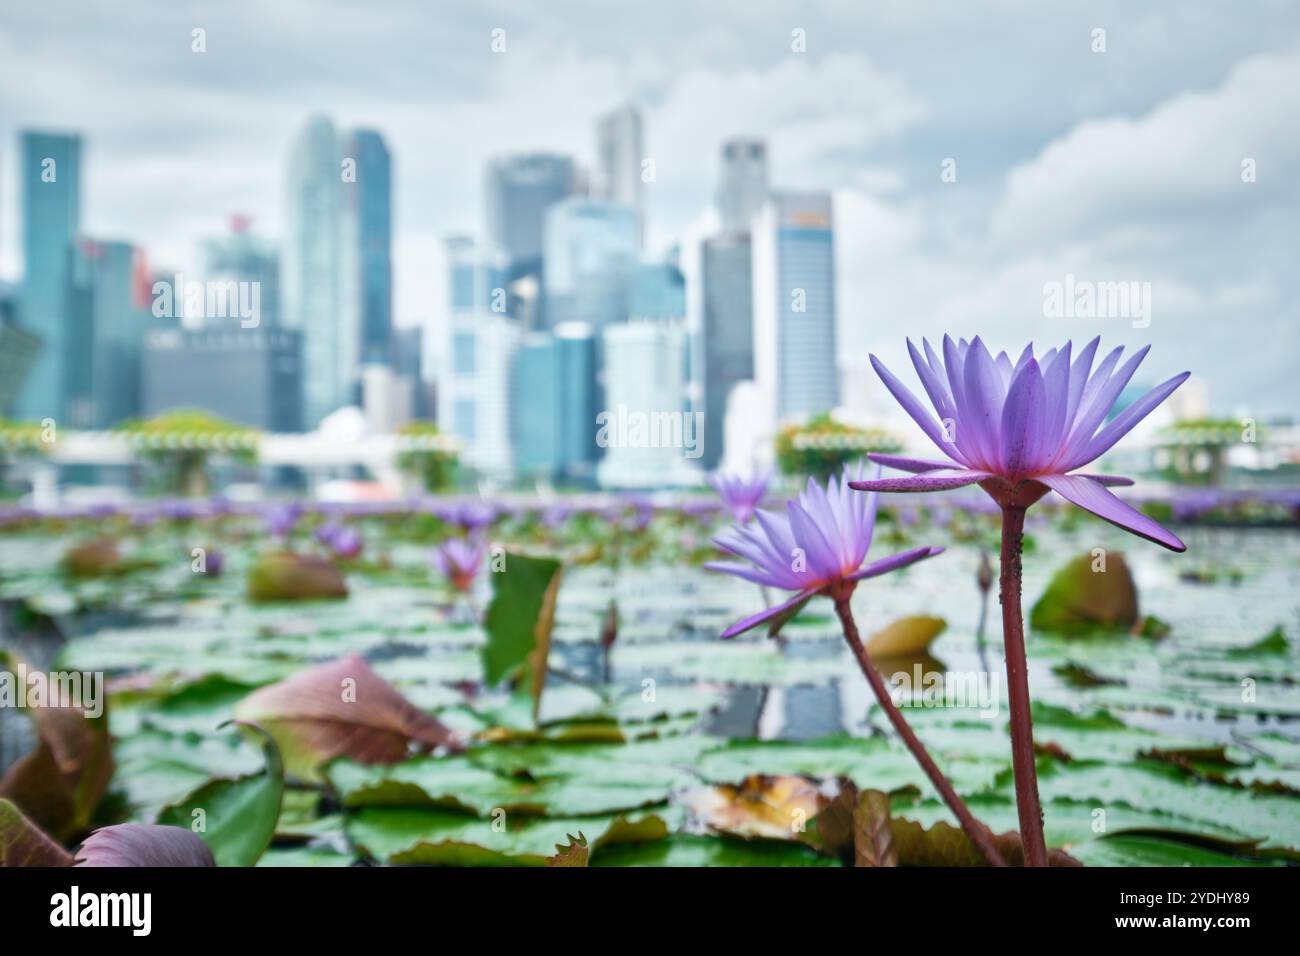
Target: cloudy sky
{"points": [[1122, 165]]}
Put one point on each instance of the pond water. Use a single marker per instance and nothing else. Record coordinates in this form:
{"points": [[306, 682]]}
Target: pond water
{"points": [[1196, 734]]}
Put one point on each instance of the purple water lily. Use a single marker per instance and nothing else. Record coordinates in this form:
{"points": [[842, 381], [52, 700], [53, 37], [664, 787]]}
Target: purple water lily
{"points": [[741, 494], [817, 548], [1020, 430], [459, 561]]}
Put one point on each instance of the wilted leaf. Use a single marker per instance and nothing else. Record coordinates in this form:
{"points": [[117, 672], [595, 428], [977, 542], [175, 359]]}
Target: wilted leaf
{"points": [[1079, 599], [574, 853], [23, 843], [341, 709], [235, 817], [60, 782], [92, 559], [285, 576], [776, 808], [905, 637], [943, 844], [136, 844], [856, 825]]}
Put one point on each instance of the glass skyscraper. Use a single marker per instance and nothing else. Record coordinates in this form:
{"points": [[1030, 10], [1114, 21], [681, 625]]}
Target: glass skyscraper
{"points": [[50, 196], [727, 332], [592, 249], [742, 185], [519, 190], [312, 277], [619, 154], [794, 305], [369, 209], [112, 318], [554, 404]]}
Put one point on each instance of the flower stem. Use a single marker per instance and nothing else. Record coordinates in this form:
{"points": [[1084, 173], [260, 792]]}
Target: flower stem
{"points": [[979, 834], [1022, 724]]}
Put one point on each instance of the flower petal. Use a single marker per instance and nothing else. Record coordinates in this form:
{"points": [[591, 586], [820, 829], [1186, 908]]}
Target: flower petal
{"points": [[1123, 423], [1022, 419], [741, 626], [903, 463], [1110, 481], [913, 407], [1091, 496], [929, 481], [893, 563]]}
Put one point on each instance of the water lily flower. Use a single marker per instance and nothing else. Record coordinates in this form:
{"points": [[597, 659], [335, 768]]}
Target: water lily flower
{"points": [[741, 494], [818, 548], [459, 561], [343, 541], [1020, 430]]}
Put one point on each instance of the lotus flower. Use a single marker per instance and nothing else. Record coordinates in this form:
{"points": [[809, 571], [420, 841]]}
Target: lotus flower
{"points": [[742, 495], [1019, 431], [816, 547], [459, 561], [1022, 429]]}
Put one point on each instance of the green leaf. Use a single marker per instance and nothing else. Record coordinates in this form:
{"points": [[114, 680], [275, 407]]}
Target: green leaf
{"points": [[1080, 599], [416, 836], [696, 851], [236, 818], [1140, 850], [520, 618]]}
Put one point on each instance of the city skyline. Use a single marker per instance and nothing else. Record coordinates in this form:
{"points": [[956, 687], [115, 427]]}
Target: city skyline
{"points": [[1046, 186]]}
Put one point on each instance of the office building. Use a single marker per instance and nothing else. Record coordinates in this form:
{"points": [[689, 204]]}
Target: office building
{"points": [[49, 195], [554, 405], [793, 267], [248, 376], [742, 185], [591, 260], [649, 437], [520, 188], [619, 157], [727, 332]]}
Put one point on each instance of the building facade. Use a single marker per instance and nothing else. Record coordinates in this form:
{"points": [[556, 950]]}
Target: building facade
{"points": [[249, 376], [49, 190], [793, 267]]}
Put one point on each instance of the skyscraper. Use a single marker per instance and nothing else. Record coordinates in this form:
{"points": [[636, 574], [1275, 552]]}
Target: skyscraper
{"points": [[198, 368], [312, 278], [591, 260], [368, 213], [554, 404], [241, 256], [519, 190], [658, 292], [727, 331], [50, 195], [742, 185], [476, 357], [111, 319], [794, 305], [619, 155], [649, 437], [18, 349]]}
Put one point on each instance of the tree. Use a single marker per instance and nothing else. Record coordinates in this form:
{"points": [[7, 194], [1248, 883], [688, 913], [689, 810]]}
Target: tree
{"points": [[822, 446]]}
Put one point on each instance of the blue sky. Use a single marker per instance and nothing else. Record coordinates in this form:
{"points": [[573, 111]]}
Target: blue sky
{"points": [[1122, 165]]}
